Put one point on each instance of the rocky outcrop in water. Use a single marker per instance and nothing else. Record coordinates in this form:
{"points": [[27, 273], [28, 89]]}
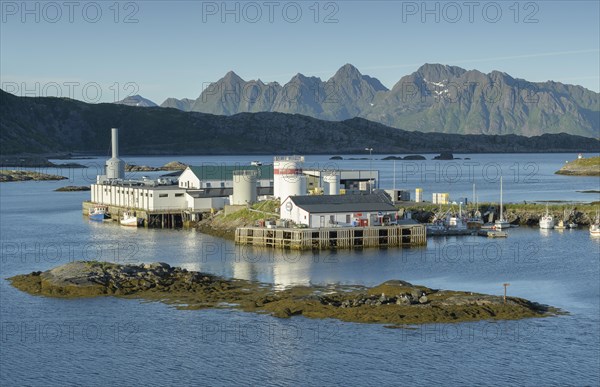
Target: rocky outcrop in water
{"points": [[581, 167], [73, 188], [393, 302], [17, 175]]}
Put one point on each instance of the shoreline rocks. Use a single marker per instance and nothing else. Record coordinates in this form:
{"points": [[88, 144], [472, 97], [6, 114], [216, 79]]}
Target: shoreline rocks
{"points": [[392, 302], [170, 166], [7, 175], [73, 188], [581, 167]]}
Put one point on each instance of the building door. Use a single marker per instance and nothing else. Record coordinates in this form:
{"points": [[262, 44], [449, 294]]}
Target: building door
{"points": [[321, 221]]}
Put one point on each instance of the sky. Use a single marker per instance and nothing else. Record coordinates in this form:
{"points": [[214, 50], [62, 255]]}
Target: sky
{"points": [[103, 51]]}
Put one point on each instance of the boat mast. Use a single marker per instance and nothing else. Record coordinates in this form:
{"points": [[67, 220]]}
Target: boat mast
{"points": [[501, 212], [394, 175]]}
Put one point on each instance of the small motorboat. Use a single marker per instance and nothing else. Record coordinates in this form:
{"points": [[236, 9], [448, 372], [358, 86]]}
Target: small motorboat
{"points": [[560, 225], [98, 213], [547, 221], [129, 219], [595, 226]]}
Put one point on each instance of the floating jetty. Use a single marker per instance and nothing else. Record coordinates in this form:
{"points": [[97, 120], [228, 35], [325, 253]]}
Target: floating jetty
{"points": [[333, 237], [492, 233], [449, 232]]}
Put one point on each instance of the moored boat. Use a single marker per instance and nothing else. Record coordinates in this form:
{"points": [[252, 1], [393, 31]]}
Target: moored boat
{"points": [[595, 226], [547, 221], [98, 213], [560, 225], [501, 222], [129, 219]]}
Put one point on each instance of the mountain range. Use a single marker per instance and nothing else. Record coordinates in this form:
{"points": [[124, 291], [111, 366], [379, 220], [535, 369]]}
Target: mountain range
{"points": [[435, 98], [43, 125]]}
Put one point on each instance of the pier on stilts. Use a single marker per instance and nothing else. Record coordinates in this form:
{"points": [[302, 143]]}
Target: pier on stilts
{"points": [[176, 218], [332, 237]]}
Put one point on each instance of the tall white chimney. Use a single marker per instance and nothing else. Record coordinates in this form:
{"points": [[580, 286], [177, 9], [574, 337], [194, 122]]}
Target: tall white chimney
{"points": [[115, 168], [115, 143]]}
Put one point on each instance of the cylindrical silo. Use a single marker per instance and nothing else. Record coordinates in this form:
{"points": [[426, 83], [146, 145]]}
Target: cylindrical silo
{"points": [[287, 177], [331, 184], [244, 187]]}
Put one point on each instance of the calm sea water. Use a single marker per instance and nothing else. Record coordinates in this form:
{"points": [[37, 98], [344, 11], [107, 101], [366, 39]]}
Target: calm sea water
{"points": [[109, 341]]}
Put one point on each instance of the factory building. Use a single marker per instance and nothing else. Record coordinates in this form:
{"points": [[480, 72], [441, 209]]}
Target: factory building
{"points": [[221, 176], [338, 210], [398, 195], [346, 180], [158, 198]]}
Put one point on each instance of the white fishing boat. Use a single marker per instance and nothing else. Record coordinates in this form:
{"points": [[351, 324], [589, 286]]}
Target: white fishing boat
{"points": [[501, 222], [456, 223], [595, 226], [129, 219], [547, 221]]}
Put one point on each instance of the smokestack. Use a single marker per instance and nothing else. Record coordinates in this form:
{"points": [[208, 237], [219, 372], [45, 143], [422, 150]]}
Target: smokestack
{"points": [[115, 143], [115, 168]]}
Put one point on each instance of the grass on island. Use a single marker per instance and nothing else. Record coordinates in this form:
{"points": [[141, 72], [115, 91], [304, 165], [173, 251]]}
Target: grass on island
{"points": [[581, 167], [267, 209]]}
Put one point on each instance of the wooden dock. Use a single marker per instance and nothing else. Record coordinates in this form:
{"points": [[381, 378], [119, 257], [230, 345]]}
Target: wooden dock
{"points": [[176, 218], [332, 237]]}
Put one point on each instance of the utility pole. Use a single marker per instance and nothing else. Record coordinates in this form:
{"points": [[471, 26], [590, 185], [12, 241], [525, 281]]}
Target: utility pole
{"points": [[370, 169], [506, 284]]}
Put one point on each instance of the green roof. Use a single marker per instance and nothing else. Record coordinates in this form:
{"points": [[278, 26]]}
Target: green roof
{"points": [[225, 172]]}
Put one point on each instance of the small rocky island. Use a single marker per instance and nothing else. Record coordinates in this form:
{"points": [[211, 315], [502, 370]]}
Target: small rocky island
{"points": [[170, 166], [393, 302], [21, 175], [581, 167], [73, 188]]}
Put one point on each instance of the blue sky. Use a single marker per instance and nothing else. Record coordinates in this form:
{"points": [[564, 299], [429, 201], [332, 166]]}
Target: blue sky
{"points": [[165, 49]]}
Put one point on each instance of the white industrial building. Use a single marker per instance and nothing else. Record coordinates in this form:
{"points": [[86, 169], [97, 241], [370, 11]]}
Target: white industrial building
{"points": [[212, 186], [221, 176], [159, 198], [338, 210]]}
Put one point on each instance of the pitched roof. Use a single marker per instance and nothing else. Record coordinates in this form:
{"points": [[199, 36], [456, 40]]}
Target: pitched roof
{"points": [[344, 203], [225, 172]]}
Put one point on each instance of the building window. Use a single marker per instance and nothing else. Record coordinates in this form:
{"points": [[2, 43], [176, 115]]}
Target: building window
{"points": [[348, 218], [222, 184], [207, 185], [163, 195], [178, 195], [150, 195]]}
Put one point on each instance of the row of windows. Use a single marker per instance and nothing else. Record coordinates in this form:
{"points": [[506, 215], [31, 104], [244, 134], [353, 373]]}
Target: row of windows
{"points": [[163, 195]]}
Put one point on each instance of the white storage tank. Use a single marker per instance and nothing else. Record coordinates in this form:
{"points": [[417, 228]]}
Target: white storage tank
{"points": [[244, 187], [331, 183], [287, 176]]}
